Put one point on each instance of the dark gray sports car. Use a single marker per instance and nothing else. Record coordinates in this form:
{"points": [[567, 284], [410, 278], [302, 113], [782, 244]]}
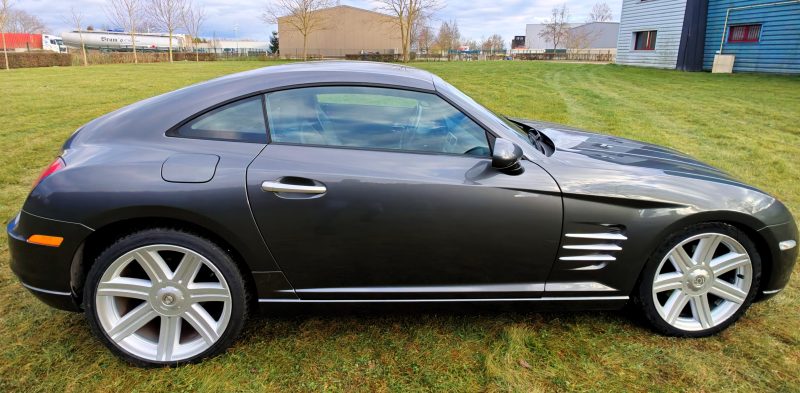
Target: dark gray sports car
{"points": [[167, 221]]}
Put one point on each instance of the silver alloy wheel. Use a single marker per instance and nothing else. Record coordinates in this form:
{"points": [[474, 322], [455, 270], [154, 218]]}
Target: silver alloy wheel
{"points": [[160, 313], [702, 290]]}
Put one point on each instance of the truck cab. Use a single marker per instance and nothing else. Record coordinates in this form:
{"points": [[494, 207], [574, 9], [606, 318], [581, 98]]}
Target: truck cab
{"points": [[53, 43]]}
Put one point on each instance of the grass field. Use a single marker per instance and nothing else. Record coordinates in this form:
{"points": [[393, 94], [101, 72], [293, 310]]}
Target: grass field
{"points": [[749, 125]]}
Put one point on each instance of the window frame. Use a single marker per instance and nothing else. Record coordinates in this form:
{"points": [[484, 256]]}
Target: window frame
{"points": [[746, 27], [646, 48], [491, 135], [173, 132]]}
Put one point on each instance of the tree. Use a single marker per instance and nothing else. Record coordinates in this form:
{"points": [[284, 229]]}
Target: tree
{"points": [[5, 6], [126, 14], [299, 15], [76, 19], [449, 37], [557, 27], [494, 44], [274, 44], [601, 12], [579, 39], [20, 21], [425, 38], [166, 15], [193, 16], [407, 15]]}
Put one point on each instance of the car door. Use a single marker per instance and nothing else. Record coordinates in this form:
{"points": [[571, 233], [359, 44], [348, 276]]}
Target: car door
{"points": [[377, 193]]}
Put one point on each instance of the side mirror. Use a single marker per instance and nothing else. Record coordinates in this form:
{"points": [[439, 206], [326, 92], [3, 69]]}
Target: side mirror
{"points": [[505, 154]]}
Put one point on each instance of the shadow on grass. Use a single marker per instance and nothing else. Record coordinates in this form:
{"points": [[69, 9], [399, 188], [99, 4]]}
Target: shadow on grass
{"points": [[282, 320]]}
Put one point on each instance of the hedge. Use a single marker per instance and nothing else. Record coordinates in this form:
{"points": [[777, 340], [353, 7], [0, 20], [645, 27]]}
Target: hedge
{"points": [[389, 58], [143, 57], [36, 59]]}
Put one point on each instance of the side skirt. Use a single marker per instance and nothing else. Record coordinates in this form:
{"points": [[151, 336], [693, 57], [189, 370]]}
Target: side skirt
{"points": [[538, 299], [547, 304]]}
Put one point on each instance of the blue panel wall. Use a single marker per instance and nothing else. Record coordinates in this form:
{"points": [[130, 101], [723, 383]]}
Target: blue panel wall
{"points": [[778, 49]]}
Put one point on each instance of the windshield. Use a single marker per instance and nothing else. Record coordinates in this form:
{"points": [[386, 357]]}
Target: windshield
{"points": [[497, 120]]}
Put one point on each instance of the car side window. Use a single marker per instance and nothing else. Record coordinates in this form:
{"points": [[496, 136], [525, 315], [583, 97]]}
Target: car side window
{"points": [[241, 121], [372, 117]]}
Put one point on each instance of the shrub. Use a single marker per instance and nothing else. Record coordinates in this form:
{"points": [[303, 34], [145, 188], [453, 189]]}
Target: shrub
{"points": [[36, 59]]}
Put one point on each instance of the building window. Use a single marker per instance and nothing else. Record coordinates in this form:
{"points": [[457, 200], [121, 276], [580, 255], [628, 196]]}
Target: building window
{"points": [[644, 40], [744, 33]]}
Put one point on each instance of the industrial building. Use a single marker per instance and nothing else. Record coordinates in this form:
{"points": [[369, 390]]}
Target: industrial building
{"points": [[741, 35], [599, 35], [345, 30]]}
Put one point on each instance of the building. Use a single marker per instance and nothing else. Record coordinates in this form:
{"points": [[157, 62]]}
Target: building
{"points": [[599, 35], [592, 35], [518, 42], [241, 47], [756, 35], [346, 30], [534, 41]]}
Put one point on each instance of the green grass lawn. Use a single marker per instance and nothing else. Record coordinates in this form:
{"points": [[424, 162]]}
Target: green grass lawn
{"points": [[749, 125]]}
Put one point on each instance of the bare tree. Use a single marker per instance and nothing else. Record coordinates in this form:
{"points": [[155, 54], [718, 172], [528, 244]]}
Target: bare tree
{"points": [[449, 37], [193, 17], [601, 12], [494, 44], [126, 14], [166, 15], [299, 15], [75, 18], [576, 40], [21, 21], [557, 27], [424, 39], [5, 6], [406, 15]]}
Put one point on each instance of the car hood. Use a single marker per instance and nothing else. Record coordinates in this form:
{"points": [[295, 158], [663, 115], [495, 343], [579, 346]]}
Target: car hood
{"points": [[584, 149], [627, 172]]}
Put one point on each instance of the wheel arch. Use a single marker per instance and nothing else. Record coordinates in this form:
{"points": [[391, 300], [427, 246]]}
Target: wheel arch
{"points": [[107, 234], [744, 222]]}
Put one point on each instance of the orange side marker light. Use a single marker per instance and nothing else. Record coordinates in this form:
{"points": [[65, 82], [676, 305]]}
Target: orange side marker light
{"points": [[44, 240]]}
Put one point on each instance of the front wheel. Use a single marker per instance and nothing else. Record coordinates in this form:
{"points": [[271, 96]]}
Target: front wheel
{"points": [[165, 297], [700, 281]]}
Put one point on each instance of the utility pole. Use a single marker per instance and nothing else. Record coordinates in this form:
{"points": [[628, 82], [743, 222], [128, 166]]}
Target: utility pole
{"points": [[236, 37]]}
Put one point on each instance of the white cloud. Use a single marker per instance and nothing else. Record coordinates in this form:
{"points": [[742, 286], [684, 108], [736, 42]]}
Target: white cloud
{"points": [[476, 18]]}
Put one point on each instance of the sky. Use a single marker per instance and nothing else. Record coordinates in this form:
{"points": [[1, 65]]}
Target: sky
{"points": [[476, 19]]}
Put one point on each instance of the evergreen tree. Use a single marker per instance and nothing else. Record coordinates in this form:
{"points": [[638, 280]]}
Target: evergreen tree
{"points": [[273, 43]]}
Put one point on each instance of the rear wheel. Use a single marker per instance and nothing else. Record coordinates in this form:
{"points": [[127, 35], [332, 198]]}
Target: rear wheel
{"points": [[164, 297], [700, 281]]}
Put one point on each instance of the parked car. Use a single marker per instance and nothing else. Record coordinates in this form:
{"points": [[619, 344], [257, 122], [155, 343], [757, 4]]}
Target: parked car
{"points": [[168, 221]]}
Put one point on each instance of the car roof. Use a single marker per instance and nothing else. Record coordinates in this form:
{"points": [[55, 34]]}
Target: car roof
{"points": [[353, 71], [160, 113]]}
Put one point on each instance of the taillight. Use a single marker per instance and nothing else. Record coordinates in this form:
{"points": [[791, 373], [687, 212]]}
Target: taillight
{"points": [[56, 166]]}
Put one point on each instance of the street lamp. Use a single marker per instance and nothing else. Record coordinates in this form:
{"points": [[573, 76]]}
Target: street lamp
{"points": [[236, 37]]}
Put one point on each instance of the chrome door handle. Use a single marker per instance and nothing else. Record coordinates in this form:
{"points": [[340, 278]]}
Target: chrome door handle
{"points": [[273, 186]]}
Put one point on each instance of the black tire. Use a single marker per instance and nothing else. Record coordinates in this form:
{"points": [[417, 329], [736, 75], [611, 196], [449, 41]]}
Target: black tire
{"points": [[213, 253], [645, 298]]}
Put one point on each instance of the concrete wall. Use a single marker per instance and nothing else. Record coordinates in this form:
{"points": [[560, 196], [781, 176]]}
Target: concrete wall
{"points": [[347, 30], [778, 49], [664, 16]]}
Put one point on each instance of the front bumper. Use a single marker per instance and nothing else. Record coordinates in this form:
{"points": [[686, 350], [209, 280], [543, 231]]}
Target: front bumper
{"points": [[46, 271], [782, 261]]}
